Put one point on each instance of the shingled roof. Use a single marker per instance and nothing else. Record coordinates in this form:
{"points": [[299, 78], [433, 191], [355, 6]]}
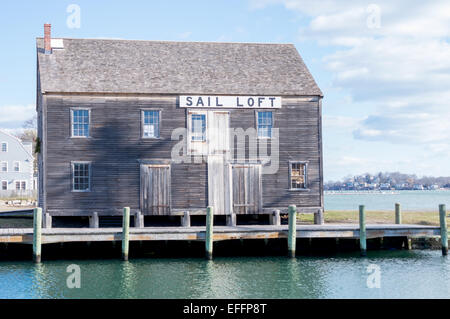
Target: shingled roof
{"points": [[156, 67]]}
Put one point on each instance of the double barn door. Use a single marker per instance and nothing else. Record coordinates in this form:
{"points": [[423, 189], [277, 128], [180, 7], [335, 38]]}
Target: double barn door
{"points": [[232, 188]]}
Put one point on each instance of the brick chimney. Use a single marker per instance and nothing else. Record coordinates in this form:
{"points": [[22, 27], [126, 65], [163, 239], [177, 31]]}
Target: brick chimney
{"points": [[47, 38]]}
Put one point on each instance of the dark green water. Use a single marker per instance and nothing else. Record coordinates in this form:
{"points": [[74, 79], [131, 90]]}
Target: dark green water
{"points": [[403, 274]]}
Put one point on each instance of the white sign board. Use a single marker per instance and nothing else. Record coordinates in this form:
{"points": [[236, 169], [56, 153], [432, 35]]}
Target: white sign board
{"points": [[221, 101]]}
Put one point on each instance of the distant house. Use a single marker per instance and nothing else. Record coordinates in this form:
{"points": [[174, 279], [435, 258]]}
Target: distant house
{"points": [[16, 166]]}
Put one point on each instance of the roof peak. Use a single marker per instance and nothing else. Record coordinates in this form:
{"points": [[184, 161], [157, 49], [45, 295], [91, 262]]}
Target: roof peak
{"points": [[170, 41]]}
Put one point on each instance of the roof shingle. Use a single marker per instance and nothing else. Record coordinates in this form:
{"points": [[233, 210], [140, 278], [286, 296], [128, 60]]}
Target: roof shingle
{"points": [[156, 67]]}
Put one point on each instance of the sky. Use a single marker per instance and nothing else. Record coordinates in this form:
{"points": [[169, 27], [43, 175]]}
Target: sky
{"points": [[383, 66]]}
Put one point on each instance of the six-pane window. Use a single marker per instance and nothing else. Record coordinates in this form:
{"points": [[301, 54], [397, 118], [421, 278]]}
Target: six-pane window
{"points": [[16, 166], [81, 176], [151, 124], [4, 147], [80, 123], [265, 123], [4, 185], [4, 166], [23, 185], [198, 127], [298, 175]]}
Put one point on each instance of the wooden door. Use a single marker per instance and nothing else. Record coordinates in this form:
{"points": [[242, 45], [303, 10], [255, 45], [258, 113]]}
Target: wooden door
{"points": [[219, 193], [247, 188], [155, 189], [218, 133], [218, 168]]}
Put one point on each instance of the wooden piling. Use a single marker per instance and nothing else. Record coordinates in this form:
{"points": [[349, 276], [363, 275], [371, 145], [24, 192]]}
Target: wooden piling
{"points": [[186, 219], [231, 220], [398, 214], [275, 218], [125, 233], [362, 230], [292, 236], [37, 233], [443, 223], [209, 232]]}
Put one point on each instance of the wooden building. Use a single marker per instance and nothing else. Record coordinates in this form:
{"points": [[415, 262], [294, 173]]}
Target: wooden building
{"points": [[169, 127]]}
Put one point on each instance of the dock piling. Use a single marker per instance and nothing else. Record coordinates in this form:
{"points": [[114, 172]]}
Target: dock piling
{"points": [[398, 214], [209, 232], [46, 221], [231, 220], [94, 220], [138, 219], [125, 233], [275, 218], [292, 236], [186, 219], [362, 230], [37, 233], [444, 235]]}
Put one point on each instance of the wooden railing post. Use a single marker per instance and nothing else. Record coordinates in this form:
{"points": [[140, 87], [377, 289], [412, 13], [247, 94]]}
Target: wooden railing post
{"points": [[398, 214], [37, 233], [125, 232], [292, 236], [444, 235], [209, 232], [362, 230]]}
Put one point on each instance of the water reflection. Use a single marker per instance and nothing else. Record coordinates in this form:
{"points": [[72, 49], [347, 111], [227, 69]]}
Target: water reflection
{"points": [[404, 274], [128, 280]]}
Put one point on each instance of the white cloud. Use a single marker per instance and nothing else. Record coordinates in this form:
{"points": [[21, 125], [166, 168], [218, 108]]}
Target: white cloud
{"points": [[393, 55], [185, 35], [13, 116]]}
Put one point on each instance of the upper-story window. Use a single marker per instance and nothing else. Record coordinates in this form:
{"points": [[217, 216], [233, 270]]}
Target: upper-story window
{"points": [[198, 127], [16, 166], [297, 175], [80, 122], [81, 176], [150, 123], [264, 123], [4, 166], [4, 147]]}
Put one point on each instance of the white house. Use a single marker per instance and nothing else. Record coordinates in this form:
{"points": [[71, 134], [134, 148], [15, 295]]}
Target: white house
{"points": [[16, 166]]}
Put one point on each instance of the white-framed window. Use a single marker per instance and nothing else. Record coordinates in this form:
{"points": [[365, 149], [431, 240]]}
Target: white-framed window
{"points": [[21, 185], [4, 147], [264, 123], [198, 127], [4, 185], [4, 166], [197, 132], [16, 166], [151, 120], [80, 122], [298, 175], [81, 176]]}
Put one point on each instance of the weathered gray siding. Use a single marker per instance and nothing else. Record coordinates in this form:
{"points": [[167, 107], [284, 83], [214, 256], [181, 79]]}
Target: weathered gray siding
{"points": [[115, 146]]}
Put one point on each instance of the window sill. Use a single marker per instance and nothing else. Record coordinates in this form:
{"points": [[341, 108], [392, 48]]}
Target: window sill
{"points": [[81, 137], [150, 138], [264, 138], [75, 191], [299, 189]]}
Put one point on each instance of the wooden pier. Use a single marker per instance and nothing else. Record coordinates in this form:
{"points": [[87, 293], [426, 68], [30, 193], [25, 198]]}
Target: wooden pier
{"points": [[38, 235], [64, 235]]}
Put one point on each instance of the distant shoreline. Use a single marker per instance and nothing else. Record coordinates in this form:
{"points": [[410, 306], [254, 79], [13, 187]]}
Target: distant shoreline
{"points": [[387, 192]]}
